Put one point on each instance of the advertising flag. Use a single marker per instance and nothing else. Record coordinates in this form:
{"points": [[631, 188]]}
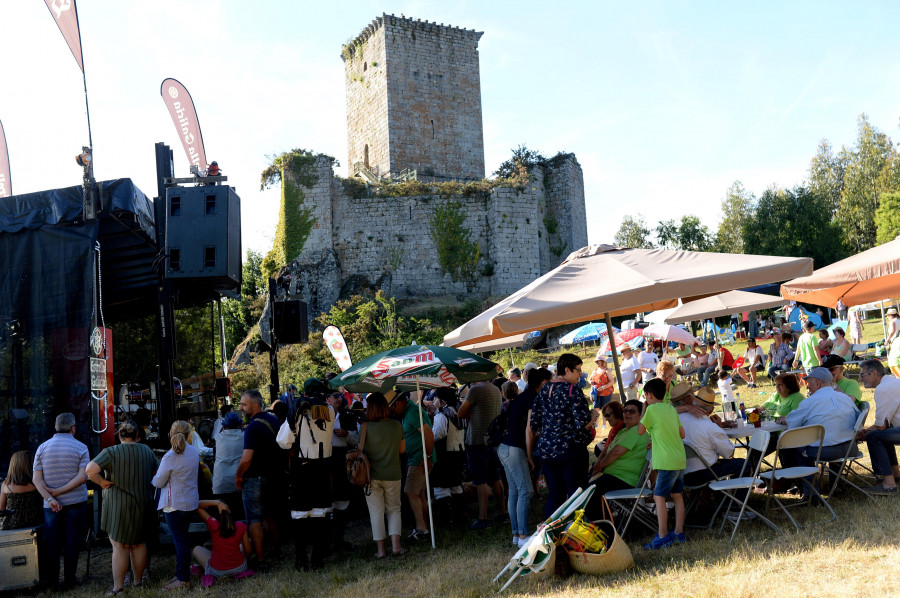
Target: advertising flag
{"points": [[5, 182], [66, 16], [335, 341], [181, 108]]}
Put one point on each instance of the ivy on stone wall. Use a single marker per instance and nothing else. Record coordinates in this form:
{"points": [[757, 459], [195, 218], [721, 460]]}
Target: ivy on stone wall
{"points": [[296, 171], [458, 255]]}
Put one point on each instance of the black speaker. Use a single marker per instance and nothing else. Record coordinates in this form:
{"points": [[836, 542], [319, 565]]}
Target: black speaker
{"points": [[223, 387], [203, 239], [291, 324]]}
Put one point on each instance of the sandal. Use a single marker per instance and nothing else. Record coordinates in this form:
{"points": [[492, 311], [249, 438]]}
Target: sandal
{"points": [[115, 592], [177, 585], [400, 552]]}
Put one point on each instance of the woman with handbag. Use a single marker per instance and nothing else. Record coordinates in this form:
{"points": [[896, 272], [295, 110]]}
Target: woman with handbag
{"points": [[381, 441], [563, 423]]}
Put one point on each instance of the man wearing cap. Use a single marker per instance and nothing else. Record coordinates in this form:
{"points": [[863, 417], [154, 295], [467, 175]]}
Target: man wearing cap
{"points": [[704, 436], [884, 434], [629, 368], [827, 407], [835, 365], [229, 448]]}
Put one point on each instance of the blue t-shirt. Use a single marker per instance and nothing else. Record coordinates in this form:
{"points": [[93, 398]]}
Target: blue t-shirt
{"points": [[260, 438]]}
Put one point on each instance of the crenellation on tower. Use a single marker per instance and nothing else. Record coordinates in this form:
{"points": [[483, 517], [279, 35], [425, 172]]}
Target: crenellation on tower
{"points": [[419, 109]]}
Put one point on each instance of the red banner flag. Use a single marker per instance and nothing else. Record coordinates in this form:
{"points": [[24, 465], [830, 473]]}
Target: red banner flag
{"points": [[66, 16], [181, 108], [5, 181]]}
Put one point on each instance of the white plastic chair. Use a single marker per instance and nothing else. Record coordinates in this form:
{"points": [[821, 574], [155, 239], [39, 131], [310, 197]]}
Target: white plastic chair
{"points": [[795, 439], [846, 462], [620, 498], [729, 487], [694, 491]]}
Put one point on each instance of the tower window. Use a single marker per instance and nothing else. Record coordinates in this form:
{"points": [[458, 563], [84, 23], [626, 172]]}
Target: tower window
{"points": [[175, 207], [366, 155], [432, 128], [209, 257], [210, 205], [365, 65]]}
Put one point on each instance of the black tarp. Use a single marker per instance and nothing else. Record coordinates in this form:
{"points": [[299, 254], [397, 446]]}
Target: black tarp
{"points": [[47, 256]]}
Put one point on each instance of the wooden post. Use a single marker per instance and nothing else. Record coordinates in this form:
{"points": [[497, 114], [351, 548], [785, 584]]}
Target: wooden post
{"points": [[612, 347]]}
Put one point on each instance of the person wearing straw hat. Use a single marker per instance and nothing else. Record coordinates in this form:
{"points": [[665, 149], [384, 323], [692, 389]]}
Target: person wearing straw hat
{"points": [[629, 368], [705, 436]]}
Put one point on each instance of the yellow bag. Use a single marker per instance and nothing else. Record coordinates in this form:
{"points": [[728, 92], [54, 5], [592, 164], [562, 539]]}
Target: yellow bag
{"points": [[584, 536]]}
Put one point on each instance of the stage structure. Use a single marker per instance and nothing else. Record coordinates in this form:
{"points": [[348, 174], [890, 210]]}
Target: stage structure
{"points": [[57, 335]]}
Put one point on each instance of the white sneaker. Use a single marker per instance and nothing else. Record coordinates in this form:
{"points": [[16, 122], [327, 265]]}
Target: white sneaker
{"points": [[516, 541], [523, 541]]}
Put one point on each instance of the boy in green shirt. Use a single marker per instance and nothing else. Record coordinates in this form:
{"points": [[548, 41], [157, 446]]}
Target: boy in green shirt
{"points": [[668, 460]]}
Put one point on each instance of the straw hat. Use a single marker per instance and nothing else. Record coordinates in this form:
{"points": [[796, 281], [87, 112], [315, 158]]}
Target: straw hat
{"points": [[891, 312], [706, 395], [679, 391]]}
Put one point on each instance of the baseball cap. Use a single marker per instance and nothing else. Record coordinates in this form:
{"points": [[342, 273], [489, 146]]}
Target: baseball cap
{"points": [[822, 374]]}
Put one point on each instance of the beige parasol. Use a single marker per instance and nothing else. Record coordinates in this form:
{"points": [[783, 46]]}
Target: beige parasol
{"points": [[721, 305], [602, 280]]}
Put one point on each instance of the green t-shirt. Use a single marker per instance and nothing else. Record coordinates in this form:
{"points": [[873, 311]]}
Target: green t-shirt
{"points": [[850, 387], [412, 434], [661, 420], [629, 466], [382, 448], [808, 350], [683, 352], [780, 406]]}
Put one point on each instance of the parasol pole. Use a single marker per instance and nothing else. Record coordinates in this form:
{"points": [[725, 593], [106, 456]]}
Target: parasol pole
{"points": [[883, 325], [425, 460], [612, 347]]}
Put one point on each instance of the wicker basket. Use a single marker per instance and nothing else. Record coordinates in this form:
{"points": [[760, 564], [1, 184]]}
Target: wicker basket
{"points": [[616, 558]]}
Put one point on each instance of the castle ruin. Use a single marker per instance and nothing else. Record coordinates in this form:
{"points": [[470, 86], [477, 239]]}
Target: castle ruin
{"points": [[414, 114]]}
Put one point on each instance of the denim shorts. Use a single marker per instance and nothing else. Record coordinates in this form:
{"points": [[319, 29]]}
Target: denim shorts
{"points": [[669, 482], [252, 496]]}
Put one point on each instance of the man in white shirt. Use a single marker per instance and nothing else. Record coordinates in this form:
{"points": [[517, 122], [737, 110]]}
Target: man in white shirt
{"points": [[884, 434], [753, 362], [515, 375], [647, 360], [629, 368], [826, 406], [707, 439]]}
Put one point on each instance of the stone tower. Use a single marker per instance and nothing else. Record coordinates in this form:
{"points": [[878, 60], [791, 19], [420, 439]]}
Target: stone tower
{"points": [[414, 101]]}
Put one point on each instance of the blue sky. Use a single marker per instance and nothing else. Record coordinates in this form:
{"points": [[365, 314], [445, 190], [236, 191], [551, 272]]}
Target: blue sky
{"points": [[665, 104]]}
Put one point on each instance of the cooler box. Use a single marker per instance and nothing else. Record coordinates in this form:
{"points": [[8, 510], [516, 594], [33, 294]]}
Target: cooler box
{"points": [[18, 558]]}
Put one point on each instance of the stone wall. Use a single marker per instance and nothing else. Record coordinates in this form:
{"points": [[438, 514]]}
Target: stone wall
{"points": [[425, 91], [386, 242]]}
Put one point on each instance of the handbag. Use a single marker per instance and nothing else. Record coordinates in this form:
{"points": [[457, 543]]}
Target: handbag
{"points": [[358, 463]]}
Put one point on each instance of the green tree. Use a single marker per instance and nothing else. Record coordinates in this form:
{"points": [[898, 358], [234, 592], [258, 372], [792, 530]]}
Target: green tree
{"points": [[794, 223], [887, 217], [737, 209], [633, 232], [693, 235], [863, 184], [826, 174], [242, 314], [522, 157], [458, 254], [667, 234]]}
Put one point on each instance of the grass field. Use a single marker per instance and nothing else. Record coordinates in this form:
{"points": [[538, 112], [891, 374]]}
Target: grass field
{"points": [[858, 555]]}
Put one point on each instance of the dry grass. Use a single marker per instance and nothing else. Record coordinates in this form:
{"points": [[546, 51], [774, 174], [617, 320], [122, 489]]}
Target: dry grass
{"points": [[857, 555]]}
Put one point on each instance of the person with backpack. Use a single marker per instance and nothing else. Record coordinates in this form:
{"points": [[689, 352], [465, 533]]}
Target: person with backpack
{"points": [[230, 542], [449, 445], [481, 406]]}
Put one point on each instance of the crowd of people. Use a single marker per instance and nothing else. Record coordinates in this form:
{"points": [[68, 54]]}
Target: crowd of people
{"points": [[277, 474]]}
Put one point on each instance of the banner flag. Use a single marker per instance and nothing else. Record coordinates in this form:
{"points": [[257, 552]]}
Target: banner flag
{"points": [[66, 16], [5, 181], [335, 341], [181, 108]]}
